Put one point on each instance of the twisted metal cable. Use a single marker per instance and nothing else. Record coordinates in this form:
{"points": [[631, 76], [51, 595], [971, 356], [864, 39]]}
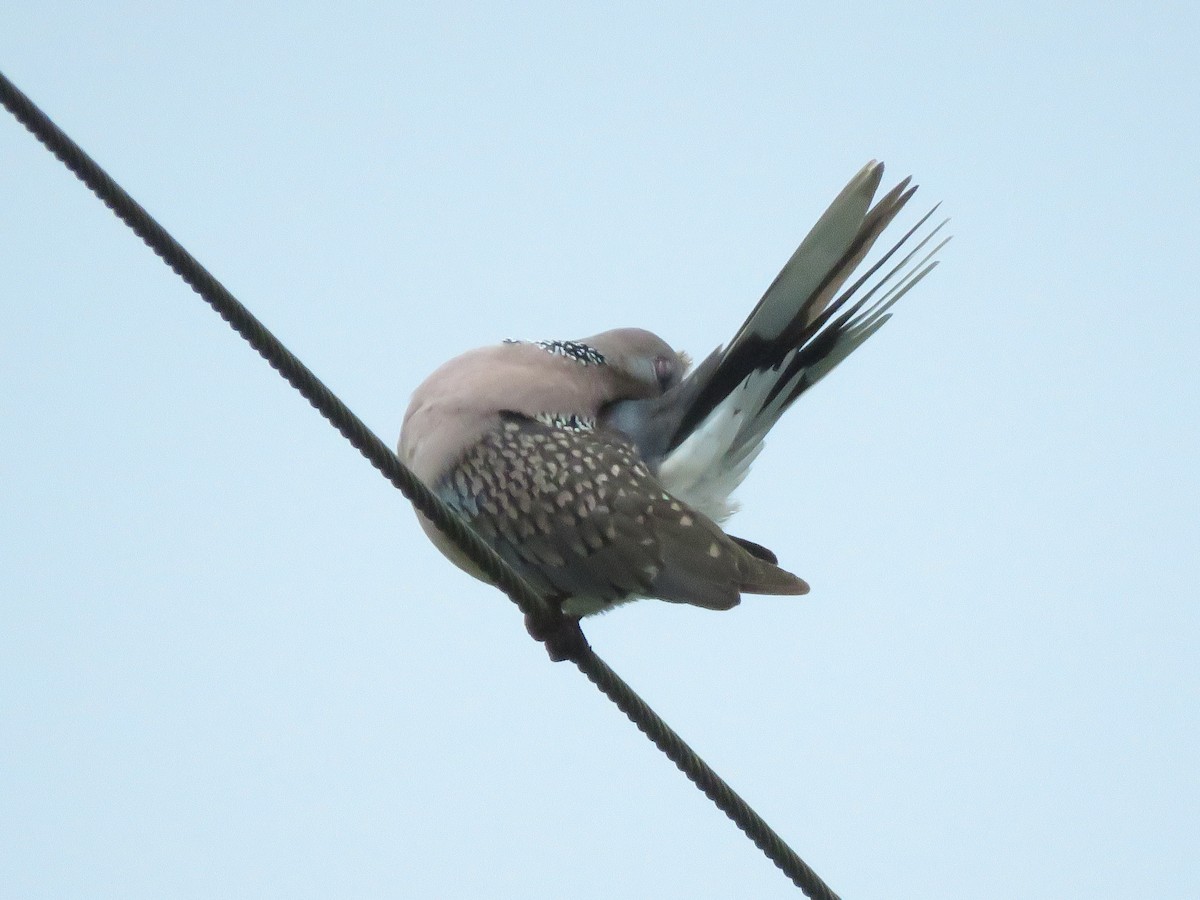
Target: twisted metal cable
{"points": [[545, 621], [702, 776]]}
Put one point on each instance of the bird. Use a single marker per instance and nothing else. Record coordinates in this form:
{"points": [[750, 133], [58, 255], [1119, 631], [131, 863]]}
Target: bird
{"points": [[602, 468]]}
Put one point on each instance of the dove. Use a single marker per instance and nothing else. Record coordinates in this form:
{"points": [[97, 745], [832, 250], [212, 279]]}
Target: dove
{"points": [[602, 468]]}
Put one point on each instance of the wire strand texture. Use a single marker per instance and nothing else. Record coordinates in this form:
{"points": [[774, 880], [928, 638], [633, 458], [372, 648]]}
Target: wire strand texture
{"points": [[545, 621]]}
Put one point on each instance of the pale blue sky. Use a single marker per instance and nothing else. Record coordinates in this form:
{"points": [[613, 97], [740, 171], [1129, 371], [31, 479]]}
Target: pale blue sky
{"points": [[230, 664]]}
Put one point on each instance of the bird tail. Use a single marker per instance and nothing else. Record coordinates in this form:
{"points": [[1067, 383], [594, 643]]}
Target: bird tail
{"points": [[762, 577], [807, 322]]}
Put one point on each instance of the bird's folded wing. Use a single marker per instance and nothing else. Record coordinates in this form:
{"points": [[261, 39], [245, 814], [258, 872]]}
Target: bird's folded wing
{"points": [[578, 513]]}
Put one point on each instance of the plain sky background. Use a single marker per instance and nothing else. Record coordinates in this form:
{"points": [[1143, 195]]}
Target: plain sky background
{"points": [[231, 665]]}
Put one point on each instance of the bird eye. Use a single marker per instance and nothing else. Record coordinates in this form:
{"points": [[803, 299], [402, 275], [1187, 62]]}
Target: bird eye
{"points": [[664, 371]]}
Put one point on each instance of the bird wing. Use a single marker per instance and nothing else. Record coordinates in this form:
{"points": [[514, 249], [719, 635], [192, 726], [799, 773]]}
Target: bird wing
{"points": [[701, 437], [579, 514]]}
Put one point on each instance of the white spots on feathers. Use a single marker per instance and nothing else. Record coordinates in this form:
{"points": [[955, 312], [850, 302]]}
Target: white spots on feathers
{"points": [[582, 353]]}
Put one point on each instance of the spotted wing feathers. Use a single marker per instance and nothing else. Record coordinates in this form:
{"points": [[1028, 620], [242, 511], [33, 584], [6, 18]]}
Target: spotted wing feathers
{"points": [[578, 513]]}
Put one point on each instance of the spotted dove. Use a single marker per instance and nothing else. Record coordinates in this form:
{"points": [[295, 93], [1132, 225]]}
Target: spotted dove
{"points": [[600, 469]]}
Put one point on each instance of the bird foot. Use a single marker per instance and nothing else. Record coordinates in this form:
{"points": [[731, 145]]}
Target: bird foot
{"points": [[561, 635]]}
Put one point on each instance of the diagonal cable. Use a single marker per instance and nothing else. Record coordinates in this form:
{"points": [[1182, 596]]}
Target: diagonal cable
{"points": [[546, 619]]}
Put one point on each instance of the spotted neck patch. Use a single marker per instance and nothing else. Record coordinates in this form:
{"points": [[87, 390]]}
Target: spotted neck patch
{"points": [[583, 354], [567, 421]]}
